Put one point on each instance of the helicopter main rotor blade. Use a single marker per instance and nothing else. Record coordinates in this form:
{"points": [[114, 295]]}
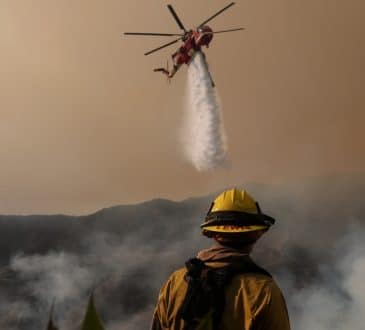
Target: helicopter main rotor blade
{"points": [[216, 14], [152, 34], [163, 46], [223, 31], [177, 19]]}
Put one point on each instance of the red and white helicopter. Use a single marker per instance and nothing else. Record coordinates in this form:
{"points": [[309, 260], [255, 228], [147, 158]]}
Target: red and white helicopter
{"points": [[193, 41]]}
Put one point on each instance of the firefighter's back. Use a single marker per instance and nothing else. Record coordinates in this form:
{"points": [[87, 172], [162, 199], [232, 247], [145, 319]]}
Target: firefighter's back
{"points": [[252, 301]]}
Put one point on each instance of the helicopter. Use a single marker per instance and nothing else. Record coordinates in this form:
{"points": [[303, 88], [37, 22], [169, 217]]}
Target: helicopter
{"points": [[193, 41]]}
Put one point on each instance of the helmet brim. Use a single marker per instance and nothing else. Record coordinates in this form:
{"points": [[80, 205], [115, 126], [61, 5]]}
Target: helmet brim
{"points": [[234, 229], [237, 219]]}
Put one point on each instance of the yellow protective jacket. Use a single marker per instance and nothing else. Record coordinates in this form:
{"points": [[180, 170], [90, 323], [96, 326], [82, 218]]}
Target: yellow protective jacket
{"points": [[253, 301]]}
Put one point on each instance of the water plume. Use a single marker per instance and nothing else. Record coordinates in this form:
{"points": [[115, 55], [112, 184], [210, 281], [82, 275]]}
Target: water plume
{"points": [[203, 136]]}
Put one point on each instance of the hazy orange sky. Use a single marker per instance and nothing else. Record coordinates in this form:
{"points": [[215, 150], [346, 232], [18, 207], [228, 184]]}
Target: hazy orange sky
{"points": [[86, 124]]}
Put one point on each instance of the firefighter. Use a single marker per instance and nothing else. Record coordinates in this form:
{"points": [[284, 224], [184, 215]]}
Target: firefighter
{"points": [[222, 288]]}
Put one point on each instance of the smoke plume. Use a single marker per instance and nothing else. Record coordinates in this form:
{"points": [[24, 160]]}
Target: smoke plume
{"points": [[203, 134]]}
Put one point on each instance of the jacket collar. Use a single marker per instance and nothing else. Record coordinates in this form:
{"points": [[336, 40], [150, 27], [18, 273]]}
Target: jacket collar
{"points": [[220, 253]]}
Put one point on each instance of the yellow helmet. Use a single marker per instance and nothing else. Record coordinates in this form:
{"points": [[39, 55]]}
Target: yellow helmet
{"points": [[235, 212]]}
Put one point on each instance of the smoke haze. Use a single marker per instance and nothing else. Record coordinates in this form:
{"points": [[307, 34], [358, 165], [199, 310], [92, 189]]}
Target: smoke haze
{"points": [[86, 123], [83, 114], [315, 251], [203, 135]]}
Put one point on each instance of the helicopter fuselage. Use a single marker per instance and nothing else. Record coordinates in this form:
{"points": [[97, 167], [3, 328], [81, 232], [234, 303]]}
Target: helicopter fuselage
{"points": [[193, 41]]}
